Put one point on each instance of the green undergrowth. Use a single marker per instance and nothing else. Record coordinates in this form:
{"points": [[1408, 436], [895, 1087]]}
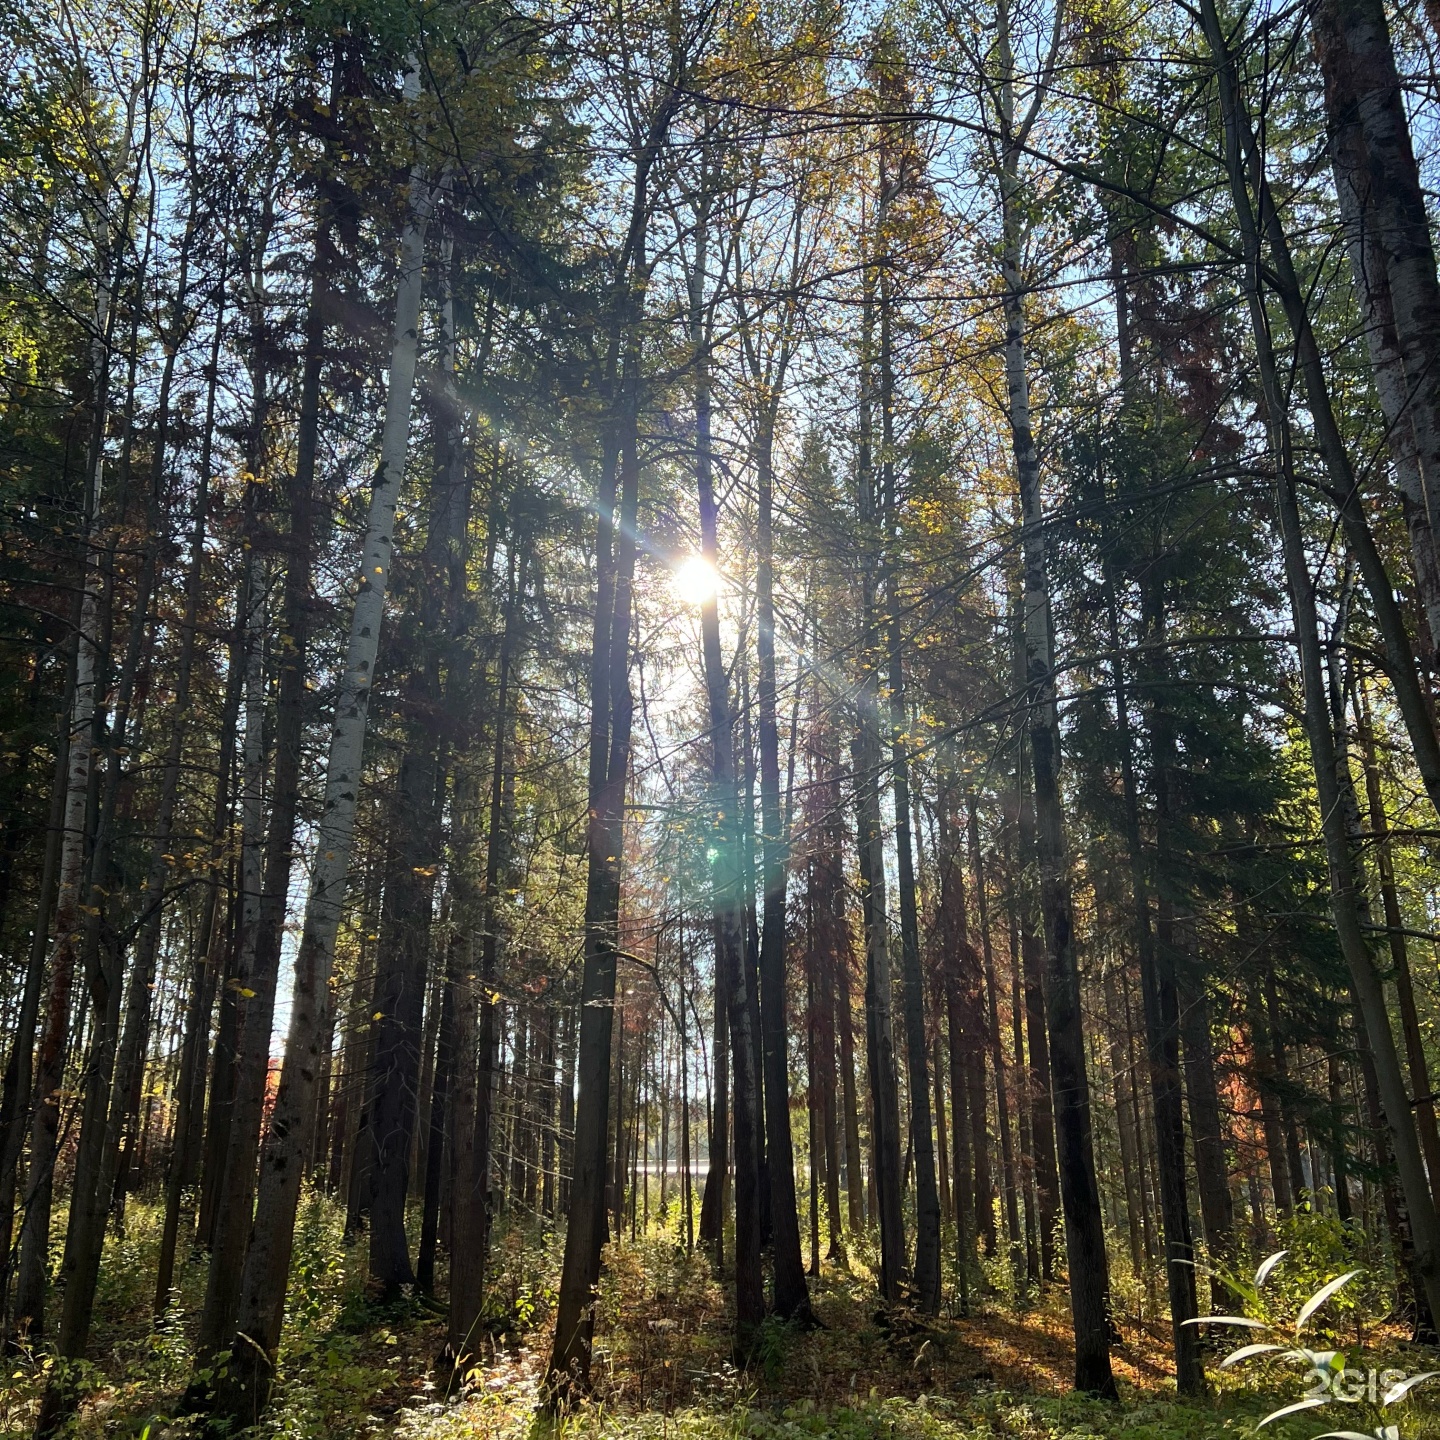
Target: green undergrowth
{"points": [[351, 1368], [985, 1415]]}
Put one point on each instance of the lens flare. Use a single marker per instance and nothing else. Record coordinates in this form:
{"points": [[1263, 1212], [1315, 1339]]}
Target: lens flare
{"points": [[696, 581]]}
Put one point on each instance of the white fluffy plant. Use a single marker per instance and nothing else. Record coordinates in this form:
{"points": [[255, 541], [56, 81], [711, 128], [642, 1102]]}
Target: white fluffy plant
{"points": [[1326, 1367]]}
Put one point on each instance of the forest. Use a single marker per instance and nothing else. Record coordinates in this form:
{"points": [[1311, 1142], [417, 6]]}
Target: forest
{"points": [[719, 715]]}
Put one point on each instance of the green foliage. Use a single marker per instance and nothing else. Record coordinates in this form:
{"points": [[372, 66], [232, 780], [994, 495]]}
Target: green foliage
{"points": [[524, 1283], [1320, 1247], [772, 1345], [1331, 1375], [326, 1275]]}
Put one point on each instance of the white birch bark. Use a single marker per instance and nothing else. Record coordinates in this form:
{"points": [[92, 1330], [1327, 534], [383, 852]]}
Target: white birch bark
{"points": [[1387, 364], [282, 1163]]}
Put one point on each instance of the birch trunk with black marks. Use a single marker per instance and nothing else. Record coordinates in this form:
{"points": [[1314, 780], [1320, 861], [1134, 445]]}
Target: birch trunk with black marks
{"points": [[1392, 255], [267, 1260]]}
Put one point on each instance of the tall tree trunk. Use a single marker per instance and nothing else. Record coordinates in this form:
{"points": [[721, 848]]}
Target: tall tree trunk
{"points": [[962, 1040], [453, 1149], [400, 986], [975, 1207], [1080, 1195], [1259, 217], [1383, 206], [1365, 979], [942, 1135], [251, 615], [1155, 947], [686, 1183], [830, 947], [1400, 955], [1371, 283], [611, 710], [745, 772], [97, 1151], [976, 1078], [434, 987], [401, 1071], [194, 1044], [244, 677], [997, 1047], [467, 1164], [1144, 1161], [1272, 1125], [732, 977], [1023, 1100], [1338, 1156], [1284, 1087], [251, 987], [433, 1175], [717, 1177], [84, 1240], [20, 1068], [829, 1115], [1037, 1041], [1124, 1124], [926, 1274], [68, 922], [845, 1024], [1207, 1132], [885, 1168], [219, 1100], [525, 1127], [546, 1063], [792, 1298], [565, 1158], [261, 1296], [98, 1148], [812, 1108]]}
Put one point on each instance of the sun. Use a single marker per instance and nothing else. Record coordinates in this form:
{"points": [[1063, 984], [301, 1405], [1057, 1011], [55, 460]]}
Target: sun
{"points": [[696, 580]]}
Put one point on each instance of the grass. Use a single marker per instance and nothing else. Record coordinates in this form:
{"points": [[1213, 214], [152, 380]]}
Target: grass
{"points": [[663, 1365]]}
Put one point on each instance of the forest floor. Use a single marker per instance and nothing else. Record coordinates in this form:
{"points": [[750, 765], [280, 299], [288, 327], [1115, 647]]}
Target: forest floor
{"points": [[663, 1363]]}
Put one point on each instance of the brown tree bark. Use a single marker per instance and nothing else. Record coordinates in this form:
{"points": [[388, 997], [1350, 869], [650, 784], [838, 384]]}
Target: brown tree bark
{"points": [[1243, 164], [830, 958], [1047, 1180], [1124, 1124], [1024, 1104], [732, 967], [926, 1271], [1399, 954], [885, 1168], [400, 986], [611, 713], [67, 925], [20, 1067], [1084, 1229], [254, 981], [1207, 1131], [1155, 948], [207, 961], [792, 1297], [997, 1046]]}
